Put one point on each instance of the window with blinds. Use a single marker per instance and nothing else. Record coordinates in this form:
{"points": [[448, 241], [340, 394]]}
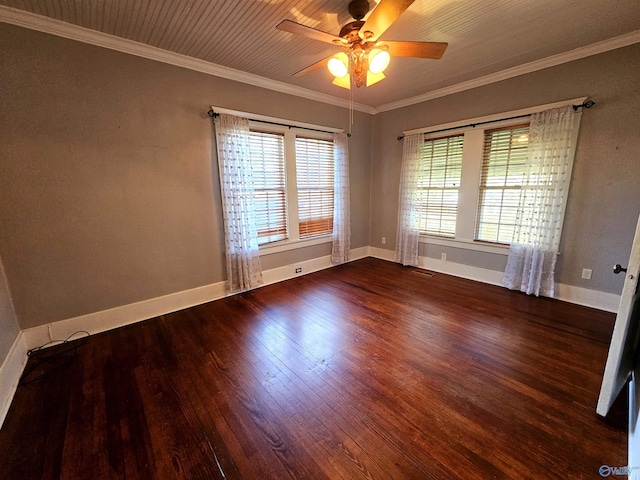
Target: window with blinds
{"points": [[268, 169], [504, 156], [437, 193], [314, 167]]}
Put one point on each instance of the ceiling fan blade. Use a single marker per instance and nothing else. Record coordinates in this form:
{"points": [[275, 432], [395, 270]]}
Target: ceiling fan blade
{"points": [[381, 18], [433, 50], [312, 67], [299, 29]]}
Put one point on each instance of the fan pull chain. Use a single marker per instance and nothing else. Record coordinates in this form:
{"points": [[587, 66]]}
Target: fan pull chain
{"points": [[350, 104]]}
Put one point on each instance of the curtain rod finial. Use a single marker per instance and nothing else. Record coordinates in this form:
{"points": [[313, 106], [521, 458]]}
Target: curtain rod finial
{"points": [[586, 104]]}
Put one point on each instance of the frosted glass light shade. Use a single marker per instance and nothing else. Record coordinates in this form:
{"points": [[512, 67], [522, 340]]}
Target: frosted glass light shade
{"points": [[378, 60], [338, 65], [373, 78], [344, 82]]}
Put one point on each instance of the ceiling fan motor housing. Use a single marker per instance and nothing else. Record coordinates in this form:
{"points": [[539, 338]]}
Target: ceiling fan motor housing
{"points": [[350, 31], [358, 9], [359, 41]]}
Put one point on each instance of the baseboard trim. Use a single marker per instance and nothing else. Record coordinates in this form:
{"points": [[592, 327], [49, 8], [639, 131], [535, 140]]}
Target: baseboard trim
{"points": [[568, 293], [104, 320], [608, 302], [309, 266], [10, 373], [469, 272]]}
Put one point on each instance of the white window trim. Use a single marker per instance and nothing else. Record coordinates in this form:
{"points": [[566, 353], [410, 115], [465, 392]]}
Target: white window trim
{"points": [[497, 117], [294, 241], [468, 193], [286, 245], [266, 118], [290, 129]]}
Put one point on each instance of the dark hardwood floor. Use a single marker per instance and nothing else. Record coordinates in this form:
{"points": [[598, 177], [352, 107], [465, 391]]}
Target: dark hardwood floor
{"points": [[366, 370]]}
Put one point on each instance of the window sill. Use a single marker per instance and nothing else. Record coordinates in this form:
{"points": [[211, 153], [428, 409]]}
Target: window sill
{"points": [[286, 245], [465, 244]]}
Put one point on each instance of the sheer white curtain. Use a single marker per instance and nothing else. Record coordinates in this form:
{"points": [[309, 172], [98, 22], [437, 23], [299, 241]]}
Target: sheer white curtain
{"points": [[341, 204], [534, 249], [408, 234], [236, 185]]}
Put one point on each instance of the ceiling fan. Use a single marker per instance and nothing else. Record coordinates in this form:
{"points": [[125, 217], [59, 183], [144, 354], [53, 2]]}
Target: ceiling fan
{"points": [[364, 57]]}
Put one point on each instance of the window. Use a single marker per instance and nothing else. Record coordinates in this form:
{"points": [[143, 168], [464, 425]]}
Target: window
{"points": [[267, 159], [314, 167], [293, 183], [439, 184], [472, 179], [503, 160]]}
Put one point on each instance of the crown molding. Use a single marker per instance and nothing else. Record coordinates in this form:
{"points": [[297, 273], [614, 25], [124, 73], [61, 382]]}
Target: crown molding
{"points": [[52, 26], [494, 119], [582, 52]]}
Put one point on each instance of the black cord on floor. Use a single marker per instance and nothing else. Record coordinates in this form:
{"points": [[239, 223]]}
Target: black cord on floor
{"points": [[51, 356]]}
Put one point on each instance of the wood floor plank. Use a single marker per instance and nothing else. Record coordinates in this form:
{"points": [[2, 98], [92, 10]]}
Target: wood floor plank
{"points": [[295, 379], [313, 370], [366, 370]]}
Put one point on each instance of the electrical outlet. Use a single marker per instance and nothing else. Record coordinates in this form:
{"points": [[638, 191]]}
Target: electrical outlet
{"points": [[384, 240], [298, 269], [586, 273], [443, 256]]}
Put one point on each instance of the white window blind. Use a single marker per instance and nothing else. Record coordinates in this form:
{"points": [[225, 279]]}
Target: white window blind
{"points": [[314, 167], [268, 168], [502, 176], [438, 186]]}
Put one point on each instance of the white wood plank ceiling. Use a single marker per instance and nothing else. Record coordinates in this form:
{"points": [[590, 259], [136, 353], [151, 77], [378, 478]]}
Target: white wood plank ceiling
{"points": [[484, 36]]}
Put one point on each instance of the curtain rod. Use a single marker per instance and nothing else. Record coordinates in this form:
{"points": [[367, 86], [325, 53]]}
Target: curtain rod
{"points": [[213, 114], [586, 104]]}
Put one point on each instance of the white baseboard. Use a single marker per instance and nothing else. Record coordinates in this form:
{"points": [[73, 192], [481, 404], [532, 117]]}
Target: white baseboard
{"points": [[309, 266], [568, 293], [128, 314], [608, 302], [10, 373], [104, 320], [382, 254], [478, 274]]}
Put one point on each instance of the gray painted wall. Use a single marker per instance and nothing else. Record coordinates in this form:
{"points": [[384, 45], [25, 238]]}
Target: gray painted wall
{"points": [[604, 198], [108, 183], [108, 176]]}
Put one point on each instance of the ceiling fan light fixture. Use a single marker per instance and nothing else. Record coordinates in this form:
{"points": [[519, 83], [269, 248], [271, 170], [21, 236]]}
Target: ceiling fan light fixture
{"points": [[373, 78], [378, 60], [343, 82], [339, 65], [365, 59]]}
